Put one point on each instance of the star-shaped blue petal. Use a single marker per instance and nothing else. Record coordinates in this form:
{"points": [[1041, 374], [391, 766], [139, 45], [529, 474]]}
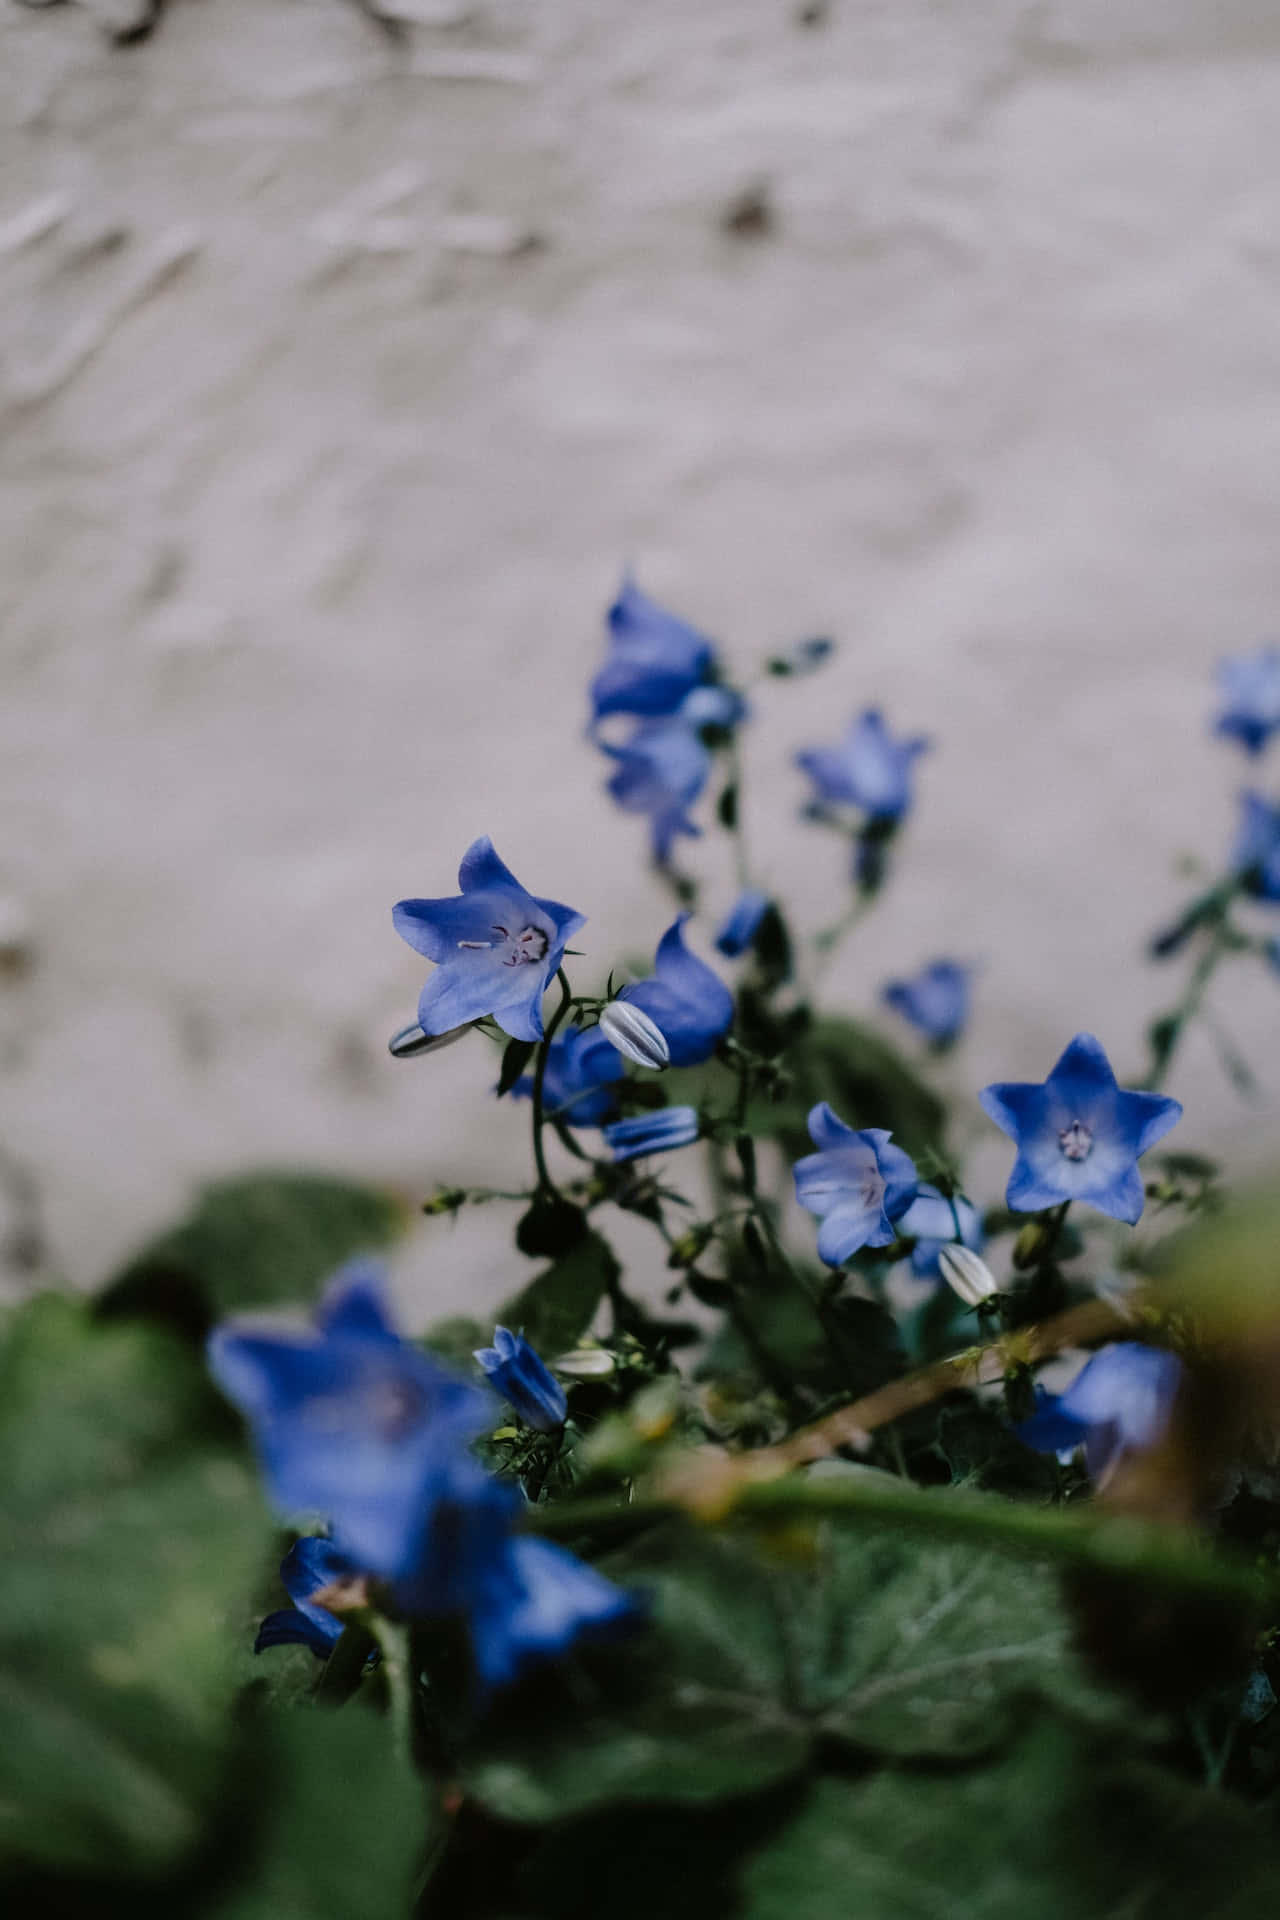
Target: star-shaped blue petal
{"points": [[869, 769], [858, 1184]]}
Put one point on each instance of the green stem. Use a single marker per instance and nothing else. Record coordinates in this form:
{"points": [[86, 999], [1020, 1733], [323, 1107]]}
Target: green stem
{"points": [[1171, 1026], [344, 1669], [545, 1183], [737, 832], [397, 1667]]}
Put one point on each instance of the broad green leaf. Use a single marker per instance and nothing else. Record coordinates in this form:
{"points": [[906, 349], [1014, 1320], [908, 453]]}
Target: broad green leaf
{"points": [[130, 1548], [558, 1305], [866, 1080], [258, 1241]]}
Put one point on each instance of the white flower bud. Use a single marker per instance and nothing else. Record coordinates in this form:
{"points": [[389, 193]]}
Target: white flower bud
{"points": [[967, 1274], [585, 1363], [411, 1041], [635, 1035]]}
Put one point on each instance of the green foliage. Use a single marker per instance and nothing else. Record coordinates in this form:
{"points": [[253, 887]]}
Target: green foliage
{"points": [[558, 1305], [255, 1241], [866, 1080]]}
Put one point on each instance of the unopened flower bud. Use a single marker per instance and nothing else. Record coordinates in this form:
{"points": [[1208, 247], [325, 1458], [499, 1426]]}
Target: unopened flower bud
{"points": [[585, 1363], [411, 1041], [967, 1274], [635, 1035]]}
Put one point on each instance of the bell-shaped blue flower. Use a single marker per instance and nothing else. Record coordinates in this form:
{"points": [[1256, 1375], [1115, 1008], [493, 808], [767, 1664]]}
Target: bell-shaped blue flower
{"points": [[516, 1372], [1257, 850], [659, 1132], [742, 924], [354, 1423], [313, 1565], [578, 1085], [936, 1001], [495, 947], [1118, 1403], [858, 1184], [932, 1219], [869, 769], [537, 1601], [660, 772], [654, 661], [689, 1003], [1079, 1135], [1250, 688]]}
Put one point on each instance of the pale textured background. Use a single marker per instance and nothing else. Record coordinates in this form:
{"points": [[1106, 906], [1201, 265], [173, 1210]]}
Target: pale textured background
{"points": [[315, 482]]}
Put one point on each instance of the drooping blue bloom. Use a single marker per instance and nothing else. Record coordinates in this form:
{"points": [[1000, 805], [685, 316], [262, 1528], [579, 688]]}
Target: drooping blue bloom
{"points": [[578, 1085], [1250, 687], [869, 769], [1257, 849], [660, 772], [655, 659], [743, 923], [1118, 1403], [495, 947], [857, 1183], [659, 1132], [516, 1372], [936, 1001], [537, 1600], [353, 1423], [931, 1218], [689, 1003], [313, 1565], [1079, 1135]]}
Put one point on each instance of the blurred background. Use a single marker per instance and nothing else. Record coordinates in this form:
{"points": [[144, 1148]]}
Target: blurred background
{"points": [[346, 359]]}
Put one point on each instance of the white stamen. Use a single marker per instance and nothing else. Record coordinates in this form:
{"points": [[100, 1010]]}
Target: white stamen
{"points": [[477, 946]]}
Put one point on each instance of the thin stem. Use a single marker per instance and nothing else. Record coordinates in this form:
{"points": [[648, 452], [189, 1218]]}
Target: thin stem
{"points": [[545, 1183], [1170, 1027], [737, 832], [393, 1639]]}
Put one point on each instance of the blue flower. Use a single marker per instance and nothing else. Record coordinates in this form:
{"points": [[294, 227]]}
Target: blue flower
{"points": [[495, 946], [1250, 687], [936, 1001], [658, 1132], [353, 1423], [661, 771], [581, 1072], [1257, 850], [931, 1219], [535, 1601], [516, 1372], [313, 1565], [858, 1184], [869, 769], [684, 998], [1118, 1403], [743, 923], [655, 659], [1079, 1135]]}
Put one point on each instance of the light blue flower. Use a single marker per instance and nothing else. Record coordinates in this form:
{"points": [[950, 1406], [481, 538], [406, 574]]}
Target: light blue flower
{"points": [[869, 770], [655, 659], [1079, 1135], [516, 1372], [936, 1000], [578, 1085], [857, 1183], [495, 947], [1250, 688], [1118, 1403], [742, 924], [1257, 850], [659, 1132], [537, 1600], [660, 771], [932, 1221], [313, 1565], [689, 1003]]}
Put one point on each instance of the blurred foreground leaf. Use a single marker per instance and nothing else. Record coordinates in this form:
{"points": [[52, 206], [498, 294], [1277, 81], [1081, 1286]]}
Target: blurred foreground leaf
{"points": [[558, 1305], [866, 1080]]}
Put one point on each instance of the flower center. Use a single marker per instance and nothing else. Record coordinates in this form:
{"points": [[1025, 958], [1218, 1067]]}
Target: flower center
{"points": [[529, 945], [1076, 1141]]}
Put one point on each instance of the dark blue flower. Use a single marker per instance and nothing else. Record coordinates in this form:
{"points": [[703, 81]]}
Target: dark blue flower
{"points": [[1079, 1135], [537, 1600], [869, 769], [857, 1183], [932, 1218], [658, 1132], [353, 1423], [495, 946], [1118, 1403], [655, 659], [936, 1001], [743, 923], [578, 1085], [516, 1372], [313, 1565], [1257, 850], [689, 1003], [1250, 688]]}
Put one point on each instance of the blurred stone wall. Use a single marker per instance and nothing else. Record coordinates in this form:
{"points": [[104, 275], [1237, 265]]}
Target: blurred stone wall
{"points": [[345, 362]]}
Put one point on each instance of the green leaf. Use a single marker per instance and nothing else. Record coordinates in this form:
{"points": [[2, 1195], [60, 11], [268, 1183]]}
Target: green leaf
{"points": [[866, 1080], [130, 1548], [516, 1056], [253, 1242], [558, 1305]]}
